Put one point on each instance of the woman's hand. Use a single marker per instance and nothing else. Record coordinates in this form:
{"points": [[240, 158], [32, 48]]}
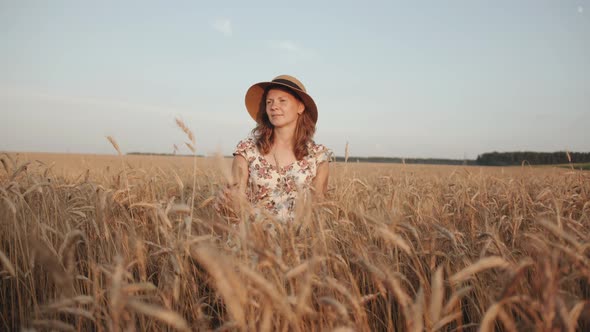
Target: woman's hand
{"points": [[225, 203], [230, 198]]}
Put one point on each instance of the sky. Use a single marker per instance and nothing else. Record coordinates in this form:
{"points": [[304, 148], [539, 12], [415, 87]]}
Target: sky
{"points": [[429, 79]]}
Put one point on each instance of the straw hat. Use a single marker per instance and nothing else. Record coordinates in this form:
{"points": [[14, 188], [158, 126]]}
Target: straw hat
{"points": [[254, 95]]}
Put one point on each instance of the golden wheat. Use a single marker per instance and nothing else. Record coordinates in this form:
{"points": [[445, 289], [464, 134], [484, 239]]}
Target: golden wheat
{"points": [[135, 243]]}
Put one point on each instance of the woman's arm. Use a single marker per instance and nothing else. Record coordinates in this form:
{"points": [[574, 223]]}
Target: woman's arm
{"points": [[239, 170], [228, 198], [320, 182]]}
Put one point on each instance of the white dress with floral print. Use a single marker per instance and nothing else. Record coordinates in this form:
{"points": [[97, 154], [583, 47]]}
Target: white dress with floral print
{"points": [[275, 189]]}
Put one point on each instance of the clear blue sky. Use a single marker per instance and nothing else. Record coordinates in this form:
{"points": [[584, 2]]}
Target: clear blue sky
{"points": [[411, 79]]}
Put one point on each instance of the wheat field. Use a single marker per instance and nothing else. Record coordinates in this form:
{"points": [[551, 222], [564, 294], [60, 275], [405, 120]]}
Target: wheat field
{"points": [[134, 243]]}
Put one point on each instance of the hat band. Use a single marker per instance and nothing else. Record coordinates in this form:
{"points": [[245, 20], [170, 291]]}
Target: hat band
{"points": [[286, 82]]}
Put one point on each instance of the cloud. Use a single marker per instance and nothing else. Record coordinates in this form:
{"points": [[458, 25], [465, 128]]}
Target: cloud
{"points": [[292, 49], [223, 25]]}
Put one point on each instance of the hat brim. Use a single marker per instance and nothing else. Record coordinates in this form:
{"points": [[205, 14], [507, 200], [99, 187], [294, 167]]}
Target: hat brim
{"points": [[255, 92]]}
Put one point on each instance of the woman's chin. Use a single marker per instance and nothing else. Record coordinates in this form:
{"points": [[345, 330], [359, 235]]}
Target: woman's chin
{"points": [[277, 124]]}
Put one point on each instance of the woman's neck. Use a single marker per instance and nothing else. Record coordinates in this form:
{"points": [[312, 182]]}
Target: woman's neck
{"points": [[284, 136]]}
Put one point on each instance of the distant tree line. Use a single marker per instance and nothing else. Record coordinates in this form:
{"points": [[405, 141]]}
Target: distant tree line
{"points": [[533, 158], [397, 160], [486, 159]]}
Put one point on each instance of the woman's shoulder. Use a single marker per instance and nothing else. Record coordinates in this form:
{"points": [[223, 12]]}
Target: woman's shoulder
{"points": [[248, 141], [316, 149], [246, 146]]}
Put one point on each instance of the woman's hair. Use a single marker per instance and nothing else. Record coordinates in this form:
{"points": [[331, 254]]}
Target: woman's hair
{"points": [[264, 130]]}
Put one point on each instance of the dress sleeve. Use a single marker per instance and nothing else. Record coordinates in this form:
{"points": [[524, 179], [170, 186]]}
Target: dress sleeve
{"points": [[245, 148], [322, 154]]}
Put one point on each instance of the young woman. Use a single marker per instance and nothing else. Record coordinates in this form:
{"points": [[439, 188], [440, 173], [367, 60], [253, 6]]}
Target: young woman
{"points": [[280, 161]]}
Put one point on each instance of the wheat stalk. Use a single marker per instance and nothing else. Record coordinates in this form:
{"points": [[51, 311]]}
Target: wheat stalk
{"points": [[397, 247], [7, 265], [191, 147], [162, 314], [116, 146], [346, 153]]}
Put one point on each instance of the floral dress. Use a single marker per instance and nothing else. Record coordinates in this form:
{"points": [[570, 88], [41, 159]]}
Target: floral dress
{"points": [[276, 190]]}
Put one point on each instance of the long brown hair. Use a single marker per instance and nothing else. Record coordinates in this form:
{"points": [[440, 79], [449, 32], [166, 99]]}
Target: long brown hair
{"points": [[264, 130]]}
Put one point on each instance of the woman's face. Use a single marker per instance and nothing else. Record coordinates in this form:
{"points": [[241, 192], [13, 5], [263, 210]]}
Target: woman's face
{"points": [[283, 108]]}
